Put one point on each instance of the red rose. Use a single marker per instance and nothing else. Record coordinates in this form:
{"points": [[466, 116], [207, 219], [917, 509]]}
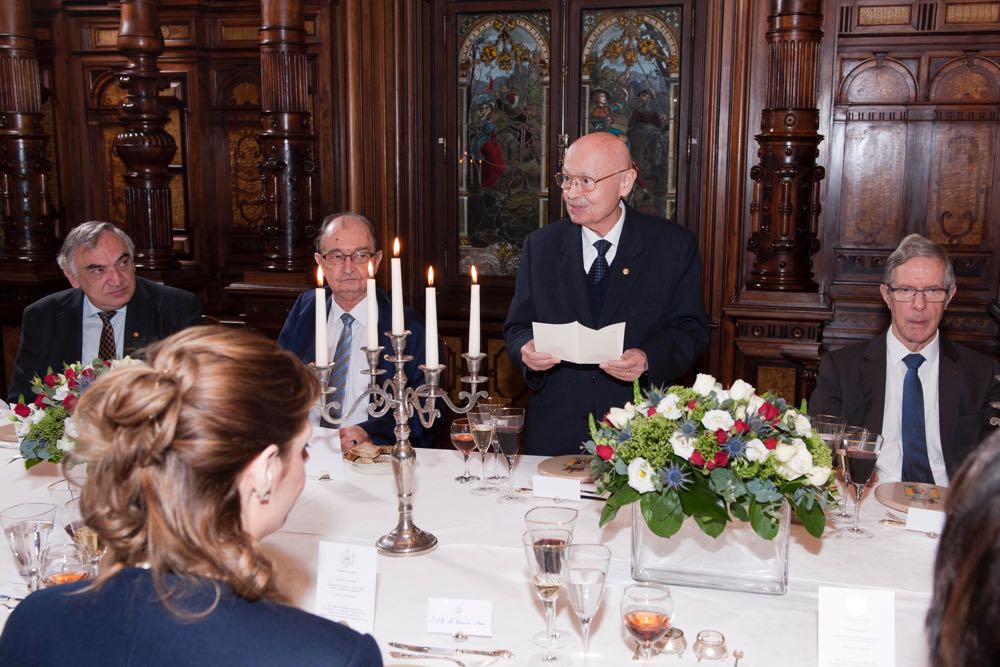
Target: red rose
{"points": [[51, 379], [768, 411], [721, 436], [604, 452], [771, 443], [22, 410], [87, 374], [697, 458], [69, 373], [692, 404], [710, 465], [70, 402], [721, 459], [107, 363], [741, 426], [39, 400], [650, 411]]}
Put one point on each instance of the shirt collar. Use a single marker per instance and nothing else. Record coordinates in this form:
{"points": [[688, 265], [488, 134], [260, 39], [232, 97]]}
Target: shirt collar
{"points": [[590, 237], [895, 350], [359, 312], [90, 310]]}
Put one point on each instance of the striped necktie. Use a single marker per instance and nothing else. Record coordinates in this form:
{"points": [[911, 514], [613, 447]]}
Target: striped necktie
{"points": [[341, 364], [107, 348]]}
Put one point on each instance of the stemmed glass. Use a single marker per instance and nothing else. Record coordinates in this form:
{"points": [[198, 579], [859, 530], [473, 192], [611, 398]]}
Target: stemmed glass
{"points": [[509, 422], [64, 564], [545, 549], [28, 527], [493, 404], [85, 536], [587, 568], [483, 423], [461, 438], [549, 517], [830, 429], [647, 611], [862, 457]]}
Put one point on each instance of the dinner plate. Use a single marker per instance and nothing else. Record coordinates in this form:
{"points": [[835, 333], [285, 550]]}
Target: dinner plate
{"points": [[380, 464], [901, 496], [572, 466]]}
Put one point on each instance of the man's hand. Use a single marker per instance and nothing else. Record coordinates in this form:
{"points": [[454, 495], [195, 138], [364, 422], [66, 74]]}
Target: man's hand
{"points": [[351, 437], [631, 365], [538, 361]]}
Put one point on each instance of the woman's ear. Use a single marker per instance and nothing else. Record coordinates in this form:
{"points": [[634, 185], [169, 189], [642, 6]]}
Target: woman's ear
{"points": [[259, 476]]}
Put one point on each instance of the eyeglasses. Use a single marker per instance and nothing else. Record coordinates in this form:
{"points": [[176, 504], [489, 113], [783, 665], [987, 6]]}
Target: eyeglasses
{"points": [[907, 294], [338, 257], [585, 183]]}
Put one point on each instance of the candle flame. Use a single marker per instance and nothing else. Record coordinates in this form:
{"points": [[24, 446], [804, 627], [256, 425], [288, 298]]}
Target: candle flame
{"points": [[319, 276], [371, 269], [430, 276], [395, 247], [475, 276]]}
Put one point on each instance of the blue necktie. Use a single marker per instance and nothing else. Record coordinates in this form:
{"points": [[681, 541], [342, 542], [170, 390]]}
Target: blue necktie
{"points": [[600, 266], [916, 466], [341, 364]]}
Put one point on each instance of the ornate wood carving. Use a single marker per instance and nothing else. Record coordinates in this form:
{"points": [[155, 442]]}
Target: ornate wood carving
{"points": [[144, 145], [25, 214], [784, 232]]}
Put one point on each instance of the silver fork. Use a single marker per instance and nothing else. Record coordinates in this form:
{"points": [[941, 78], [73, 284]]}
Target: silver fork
{"points": [[424, 656]]}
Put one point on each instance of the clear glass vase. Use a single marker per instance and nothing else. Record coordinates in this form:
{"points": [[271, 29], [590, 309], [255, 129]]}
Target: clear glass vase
{"points": [[738, 560]]}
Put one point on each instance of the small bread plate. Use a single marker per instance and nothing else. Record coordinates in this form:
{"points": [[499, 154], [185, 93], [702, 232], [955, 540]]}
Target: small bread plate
{"points": [[901, 496], [572, 466], [370, 458]]}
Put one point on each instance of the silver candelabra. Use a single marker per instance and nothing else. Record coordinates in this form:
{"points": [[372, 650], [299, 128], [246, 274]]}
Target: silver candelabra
{"points": [[406, 538]]}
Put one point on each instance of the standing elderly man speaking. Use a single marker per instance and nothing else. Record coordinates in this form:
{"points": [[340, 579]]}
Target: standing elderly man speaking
{"points": [[607, 263]]}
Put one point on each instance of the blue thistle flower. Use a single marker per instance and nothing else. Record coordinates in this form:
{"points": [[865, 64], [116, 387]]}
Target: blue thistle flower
{"points": [[689, 429], [674, 477], [625, 434], [735, 446]]}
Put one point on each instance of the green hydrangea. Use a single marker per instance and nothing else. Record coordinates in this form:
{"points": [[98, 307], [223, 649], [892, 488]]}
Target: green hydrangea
{"points": [[650, 440]]}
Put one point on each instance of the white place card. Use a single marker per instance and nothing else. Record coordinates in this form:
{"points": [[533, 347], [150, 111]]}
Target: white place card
{"points": [[926, 521], [325, 458], [857, 627], [543, 486], [451, 615], [345, 584]]}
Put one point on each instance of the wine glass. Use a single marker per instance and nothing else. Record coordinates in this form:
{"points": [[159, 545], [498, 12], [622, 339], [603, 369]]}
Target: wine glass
{"points": [[482, 423], [494, 404], [647, 611], [545, 549], [64, 564], [28, 527], [461, 438], [85, 536], [830, 429], [509, 422], [548, 517], [862, 456], [586, 571]]}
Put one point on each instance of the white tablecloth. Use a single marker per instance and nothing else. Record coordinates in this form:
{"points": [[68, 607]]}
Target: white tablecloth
{"points": [[479, 556]]}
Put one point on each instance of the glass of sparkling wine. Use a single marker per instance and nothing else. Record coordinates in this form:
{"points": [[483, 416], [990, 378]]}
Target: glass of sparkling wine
{"points": [[647, 611], [461, 438], [85, 536], [545, 550], [494, 404], [586, 571], [509, 422], [483, 423], [28, 527], [64, 564]]}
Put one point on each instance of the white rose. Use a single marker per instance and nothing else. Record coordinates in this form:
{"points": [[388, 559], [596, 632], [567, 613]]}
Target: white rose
{"points": [[640, 475], [35, 416], [802, 425], [721, 395], [62, 391], [741, 412], [756, 450], [620, 417], [704, 384], [795, 459], [754, 404], [683, 447], [741, 391], [70, 429], [819, 475], [125, 362], [717, 419], [670, 406]]}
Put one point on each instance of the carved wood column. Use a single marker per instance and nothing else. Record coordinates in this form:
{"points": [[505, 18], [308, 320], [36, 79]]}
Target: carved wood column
{"points": [[27, 221], [288, 162], [785, 203], [143, 144]]}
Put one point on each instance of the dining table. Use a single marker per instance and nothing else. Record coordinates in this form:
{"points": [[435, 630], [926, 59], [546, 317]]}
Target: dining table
{"points": [[479, 556]]}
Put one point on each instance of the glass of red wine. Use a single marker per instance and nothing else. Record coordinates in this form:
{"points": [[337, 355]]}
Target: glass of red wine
{"points": [[461, 438], [509, 422], [830, 429], [647, 611], [862, 450], [545, 550]]}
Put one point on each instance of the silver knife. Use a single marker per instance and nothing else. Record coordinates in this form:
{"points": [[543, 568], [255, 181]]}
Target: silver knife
{"points": [[432, 650], [9, 598]]}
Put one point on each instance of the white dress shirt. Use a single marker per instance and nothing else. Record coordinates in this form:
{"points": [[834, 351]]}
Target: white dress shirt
{"points": [[356, 382], [92, 327], [890, 461], [612, 237]]}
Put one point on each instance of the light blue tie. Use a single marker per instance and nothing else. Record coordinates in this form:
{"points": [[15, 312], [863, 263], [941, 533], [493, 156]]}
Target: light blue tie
{"points": [[341, 364]]}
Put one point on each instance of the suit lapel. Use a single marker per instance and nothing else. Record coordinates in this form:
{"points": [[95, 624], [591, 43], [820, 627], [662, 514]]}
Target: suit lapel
{"points": [[623, 273], [949, 392], [140, 320], [873, 383], [69, 325], [572, 277]]}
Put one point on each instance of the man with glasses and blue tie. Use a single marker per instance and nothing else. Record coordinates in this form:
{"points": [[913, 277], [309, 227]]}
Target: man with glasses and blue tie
{"points": [[606, 263], [930, 398], [345, 245]]}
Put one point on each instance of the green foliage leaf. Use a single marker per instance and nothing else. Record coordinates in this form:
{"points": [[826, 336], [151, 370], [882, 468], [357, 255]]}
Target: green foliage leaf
{"points": [[701, 501], [812, 518], [624, 495], [727, 484], [763, 519], [710, 526], [662, 512], [608, 513], [739, 510]]}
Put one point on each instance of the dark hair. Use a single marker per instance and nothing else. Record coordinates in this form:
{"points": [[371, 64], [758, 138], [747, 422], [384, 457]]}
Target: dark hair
{"points": [[965, 610], [166, 442], [330, 219]]}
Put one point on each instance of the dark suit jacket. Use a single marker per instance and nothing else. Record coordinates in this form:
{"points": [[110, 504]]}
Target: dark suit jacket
{"points": [[52, 328], [124, 624], [851, 384], [659, 298], [298, 336]]}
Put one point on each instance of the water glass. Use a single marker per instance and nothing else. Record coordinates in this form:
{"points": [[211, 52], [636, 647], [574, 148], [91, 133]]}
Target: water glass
{"points": [[28, 528], [586, 572]]}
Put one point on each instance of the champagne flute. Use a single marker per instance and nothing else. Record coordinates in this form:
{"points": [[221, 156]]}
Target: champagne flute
{"points": [[550, 517], [28, 527], [461, 438], [830, 429], [509, 422], [64, 564], [482, 423], [494, 404], [862, 457], [545, 549], [85, 536], [587, 569], [647, 611]]}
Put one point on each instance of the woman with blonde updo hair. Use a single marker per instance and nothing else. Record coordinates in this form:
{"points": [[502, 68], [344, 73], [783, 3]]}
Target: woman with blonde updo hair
{"points": [[192, 459]]}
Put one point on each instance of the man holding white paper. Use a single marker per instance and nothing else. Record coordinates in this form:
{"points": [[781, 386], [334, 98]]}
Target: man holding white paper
{"points": [[344, 248], [606, 263]]}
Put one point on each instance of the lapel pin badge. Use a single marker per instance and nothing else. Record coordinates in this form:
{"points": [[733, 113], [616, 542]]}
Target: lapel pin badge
{"points": [[625, 271], [135, 334]]}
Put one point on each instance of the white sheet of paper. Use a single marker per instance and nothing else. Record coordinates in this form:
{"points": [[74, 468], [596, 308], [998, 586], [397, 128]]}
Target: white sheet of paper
{"points": [[578, 344], [926, 521], [449, 615], [543, 486], [345, 584], [857, 627], [325, 456]]}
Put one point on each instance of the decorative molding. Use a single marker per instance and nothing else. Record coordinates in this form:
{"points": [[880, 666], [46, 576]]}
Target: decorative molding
{"points": [[972, 12], [882, 15]]}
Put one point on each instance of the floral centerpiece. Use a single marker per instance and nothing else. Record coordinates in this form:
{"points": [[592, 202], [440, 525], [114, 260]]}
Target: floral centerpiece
{"points": [[45, 425], [713, 454]]}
